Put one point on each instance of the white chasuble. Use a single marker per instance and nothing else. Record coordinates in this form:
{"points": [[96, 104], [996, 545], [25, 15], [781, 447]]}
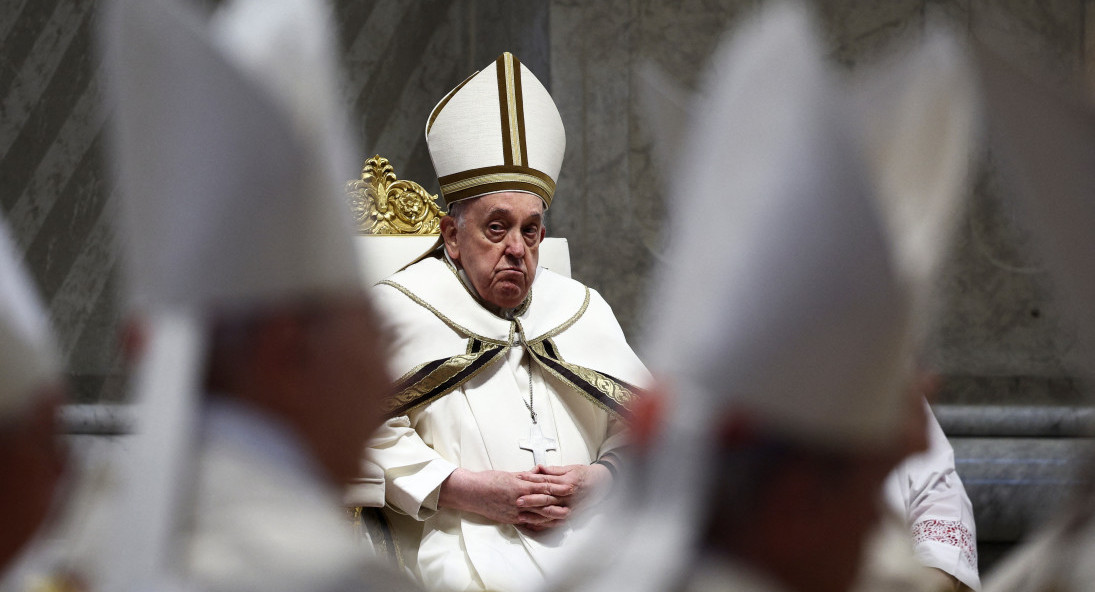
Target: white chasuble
{"points": [[463, 401]]}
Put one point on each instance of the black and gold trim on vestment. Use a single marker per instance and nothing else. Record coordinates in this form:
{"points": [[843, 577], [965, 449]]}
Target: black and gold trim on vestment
{"points": [[609, 393], [438, 378], [433, 380]]}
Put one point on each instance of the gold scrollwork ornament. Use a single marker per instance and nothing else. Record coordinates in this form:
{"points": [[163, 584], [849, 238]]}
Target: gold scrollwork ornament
{"points": [[383, 204]]}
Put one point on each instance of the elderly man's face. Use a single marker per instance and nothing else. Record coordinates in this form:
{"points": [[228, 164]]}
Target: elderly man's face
{"points": [[498, 244]]}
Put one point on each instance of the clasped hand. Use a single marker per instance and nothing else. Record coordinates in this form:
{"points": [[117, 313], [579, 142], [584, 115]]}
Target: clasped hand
{"points": [[538, 499]]}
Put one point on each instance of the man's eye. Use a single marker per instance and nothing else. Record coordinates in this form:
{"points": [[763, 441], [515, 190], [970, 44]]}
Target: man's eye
{"points": [[495, 227]]}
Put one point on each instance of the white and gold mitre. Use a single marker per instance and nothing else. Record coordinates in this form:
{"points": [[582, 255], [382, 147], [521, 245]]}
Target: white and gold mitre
{"points": [[29, 359], [498, 130]]}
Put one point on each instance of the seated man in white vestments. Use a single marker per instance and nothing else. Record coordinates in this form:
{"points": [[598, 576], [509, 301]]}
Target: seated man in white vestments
{"points": [[782, 344], [515, 379], [263, 373], [31, 457]]}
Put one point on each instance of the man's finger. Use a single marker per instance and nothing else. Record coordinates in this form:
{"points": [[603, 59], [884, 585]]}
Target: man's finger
{"points": [[552, 480], [558, 489], [548, 488], [536, 500], [554, 512]]}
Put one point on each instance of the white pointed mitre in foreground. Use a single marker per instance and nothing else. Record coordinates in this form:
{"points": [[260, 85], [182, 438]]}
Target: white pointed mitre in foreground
{"points": [[230, 155], [28, 355], [919, 119], [499, 130], [231, 152], [788, 308]]}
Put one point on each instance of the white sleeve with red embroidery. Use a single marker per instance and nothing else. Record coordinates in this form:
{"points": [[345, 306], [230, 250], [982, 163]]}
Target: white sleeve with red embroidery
{"points": [[926, 490]]}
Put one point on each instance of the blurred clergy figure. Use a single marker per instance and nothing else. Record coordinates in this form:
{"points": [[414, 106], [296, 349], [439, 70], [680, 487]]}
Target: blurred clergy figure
{"points": [[783, 324], [515, 380], [31, 390], [262, 369]]}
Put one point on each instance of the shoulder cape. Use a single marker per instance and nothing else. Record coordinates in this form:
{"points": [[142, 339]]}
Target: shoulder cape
{"points": [[443, 336]]}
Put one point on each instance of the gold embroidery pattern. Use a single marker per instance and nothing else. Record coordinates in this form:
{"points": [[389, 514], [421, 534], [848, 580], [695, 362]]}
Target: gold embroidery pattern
{"points": [[440, 381], [589, 383]]}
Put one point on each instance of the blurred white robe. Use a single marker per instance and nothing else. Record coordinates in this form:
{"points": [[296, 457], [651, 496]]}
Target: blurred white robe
{"points": [[478, 425], [264, 518], [926, 489]]}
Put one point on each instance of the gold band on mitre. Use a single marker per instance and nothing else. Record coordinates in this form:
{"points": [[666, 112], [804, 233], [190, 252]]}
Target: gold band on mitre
{"points": [[498, 130], [486, 180]]}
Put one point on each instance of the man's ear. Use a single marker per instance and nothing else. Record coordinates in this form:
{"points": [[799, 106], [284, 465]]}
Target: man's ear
{"points": [[543, 233], [449, 235]]}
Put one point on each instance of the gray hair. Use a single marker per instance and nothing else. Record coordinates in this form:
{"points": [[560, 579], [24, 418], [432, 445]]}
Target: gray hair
{"points": [[457, 212]]}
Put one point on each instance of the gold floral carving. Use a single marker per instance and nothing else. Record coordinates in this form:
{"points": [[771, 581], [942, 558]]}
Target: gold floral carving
{"points": [[384, 204]]}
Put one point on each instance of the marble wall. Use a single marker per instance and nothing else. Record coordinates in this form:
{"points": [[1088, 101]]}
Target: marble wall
{"points": [[1001, 338], [54, 190]]}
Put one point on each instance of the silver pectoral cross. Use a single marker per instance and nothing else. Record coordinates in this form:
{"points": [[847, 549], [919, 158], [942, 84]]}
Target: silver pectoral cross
{"points": [[538, 445]]}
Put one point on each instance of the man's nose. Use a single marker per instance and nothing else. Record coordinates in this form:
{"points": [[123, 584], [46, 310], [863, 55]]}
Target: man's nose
{"points": [[515, 245]]}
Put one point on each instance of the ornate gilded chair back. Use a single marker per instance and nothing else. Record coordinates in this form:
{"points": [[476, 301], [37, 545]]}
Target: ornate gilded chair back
{"points": [[384, 204]]}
